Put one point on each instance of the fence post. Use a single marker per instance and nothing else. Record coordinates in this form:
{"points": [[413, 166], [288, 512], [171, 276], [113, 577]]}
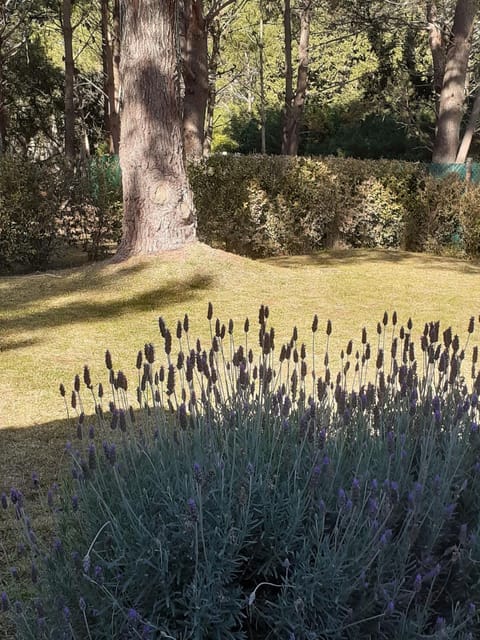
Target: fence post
{"points": [[468, 171]]}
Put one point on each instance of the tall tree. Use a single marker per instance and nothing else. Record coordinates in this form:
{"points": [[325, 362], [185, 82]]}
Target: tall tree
{"points": [[110, 22], [69, 132], [201, 19], [195, 76], [452, 96], [158, 205], [295, 102], [14, 18]]}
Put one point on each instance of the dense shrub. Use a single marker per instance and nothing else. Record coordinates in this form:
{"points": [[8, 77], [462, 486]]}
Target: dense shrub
{"points": [[92, 216], [29, 210], [43, 207], [261, 206], [249, 498]]}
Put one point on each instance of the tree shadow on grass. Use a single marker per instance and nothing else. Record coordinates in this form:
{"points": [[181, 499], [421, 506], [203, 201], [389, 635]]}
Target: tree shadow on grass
{"points": [[77, 312], [23, 290], [343, 257]]}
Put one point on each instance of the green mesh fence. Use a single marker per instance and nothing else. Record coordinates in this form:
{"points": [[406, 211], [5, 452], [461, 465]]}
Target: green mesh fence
{"points": [[442, 170], [105, 169]]}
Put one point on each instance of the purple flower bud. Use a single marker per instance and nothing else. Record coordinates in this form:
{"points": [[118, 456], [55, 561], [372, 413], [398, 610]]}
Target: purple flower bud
{"points": [[98, 572], [440, 623], [66, 614], [75, 503], [386, 536], [82, 604], [474, 427], [4, 601], [133, 616], [4, 501], [57, 545], [14, 572], [417, 584], [471, 609], [192, 508], [449, 509], [390, 608]]}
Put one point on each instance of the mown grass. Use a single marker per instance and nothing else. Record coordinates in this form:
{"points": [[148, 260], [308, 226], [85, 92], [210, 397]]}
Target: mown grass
{"points": [[51, 324]]}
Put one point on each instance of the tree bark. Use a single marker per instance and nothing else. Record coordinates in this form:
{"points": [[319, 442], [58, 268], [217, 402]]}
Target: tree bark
{"points": [[158, 204], [263, 117], [437, 48], [195, 77], [469, 131], [213, 63], [69, 115], [452, 96], [295, 112], [287, 115], [3, 108], [110, 90]]}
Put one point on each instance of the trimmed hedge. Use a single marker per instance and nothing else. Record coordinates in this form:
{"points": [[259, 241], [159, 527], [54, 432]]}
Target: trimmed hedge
{"points": [[257, 206], [260, 206]]}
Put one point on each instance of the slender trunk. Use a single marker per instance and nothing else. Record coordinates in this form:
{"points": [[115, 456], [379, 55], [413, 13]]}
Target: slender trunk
{"points": [[158, 204], [3, 109], [111, 115], [292, 137], [469, 131], [287, 34], [437, 49], [452, 97], [69, 83], [261, 45], [116, 71], [213, 62], [195, 76]]}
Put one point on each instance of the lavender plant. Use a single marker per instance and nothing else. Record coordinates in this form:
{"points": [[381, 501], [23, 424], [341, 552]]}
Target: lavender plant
{"points": [[251, 496]]}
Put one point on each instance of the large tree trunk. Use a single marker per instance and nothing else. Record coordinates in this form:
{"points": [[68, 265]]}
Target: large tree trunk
{"points": [[69, 114], [294, 117], [158, 204], [195, 77], [110, 79], [452, 97], [287, 115]]}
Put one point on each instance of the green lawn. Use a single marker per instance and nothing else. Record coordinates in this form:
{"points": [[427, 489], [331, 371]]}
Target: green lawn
{"points": [[51, 324]]}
